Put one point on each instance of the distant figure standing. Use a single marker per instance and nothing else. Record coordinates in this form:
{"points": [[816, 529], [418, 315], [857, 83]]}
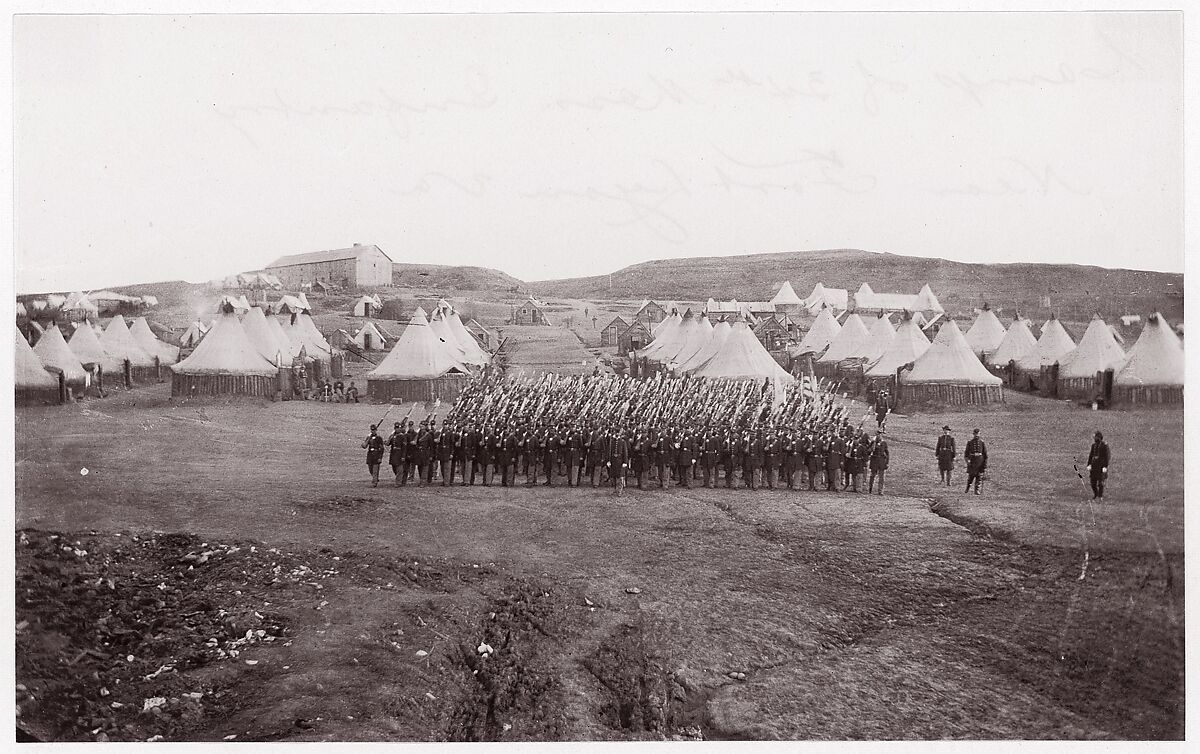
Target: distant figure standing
{"points": [[881, 408], [1098, 466], [879, 462], [976, 455], [374, 446], [945, 453]]}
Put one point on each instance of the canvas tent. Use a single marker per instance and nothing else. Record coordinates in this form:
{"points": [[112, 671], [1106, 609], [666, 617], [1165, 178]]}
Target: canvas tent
{"points": [[367, 306], [476, 355], [905, 347], [56, 355], [849, 341], [949, 373], [266, 341], [688, 360], [1080, 374], [664, 333], [1055, 342], [225, 363], [985, 333], [824, 328], [118, 342], [420, 367], [786, 299], [145, 337], [191, 337], [1018, 347], [881, 333], [86, 345], [834, 298], [368, 338], [1154, 369], [926, 301], [741, 357], [31, 381]]}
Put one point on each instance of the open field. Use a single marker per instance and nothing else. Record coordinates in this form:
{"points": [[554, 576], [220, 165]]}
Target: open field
{"points": [[1026, 612]]}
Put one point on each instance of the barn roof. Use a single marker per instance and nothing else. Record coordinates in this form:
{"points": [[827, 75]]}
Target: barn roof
{"points": [[332, 255]]}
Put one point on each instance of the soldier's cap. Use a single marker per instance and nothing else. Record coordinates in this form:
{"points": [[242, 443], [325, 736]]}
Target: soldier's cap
{"points": [[374, 427], [397, 424], [1099, 436], [976, 431], [947, 427]]}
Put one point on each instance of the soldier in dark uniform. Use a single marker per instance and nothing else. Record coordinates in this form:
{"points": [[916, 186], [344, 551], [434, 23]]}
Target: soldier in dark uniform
{"points": [[772, 450], [445, 441], [729, 456], [710, 454], [660, 451], [882, 407], [835, 456], [471, 438], [374, 446], [879, 462], [396, 445], [976, 455], [945, 454], [548, 448], [425, 451], [526, 445], [791, 449], [617, 460], [597, 453], [485, 453], [685, 457], [574, 454], [1097, 464], [410, 454], [752, 458], [814, 459], [510, 447], [639, 460]]}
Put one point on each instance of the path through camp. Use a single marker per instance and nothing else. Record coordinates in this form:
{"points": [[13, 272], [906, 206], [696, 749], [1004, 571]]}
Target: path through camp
{"points": [[537, 613]]}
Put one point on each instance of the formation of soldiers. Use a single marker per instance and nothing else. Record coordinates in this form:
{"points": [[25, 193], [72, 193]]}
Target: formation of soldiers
{"points": [[601, 429]]}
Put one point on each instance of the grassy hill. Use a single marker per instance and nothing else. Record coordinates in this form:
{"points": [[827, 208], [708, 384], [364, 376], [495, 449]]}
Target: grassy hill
{"points": [[1075, 291], [447, 277]]}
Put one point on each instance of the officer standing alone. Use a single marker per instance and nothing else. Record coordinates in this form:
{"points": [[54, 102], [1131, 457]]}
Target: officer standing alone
{"points": [[374, 446], [1098, 466]]}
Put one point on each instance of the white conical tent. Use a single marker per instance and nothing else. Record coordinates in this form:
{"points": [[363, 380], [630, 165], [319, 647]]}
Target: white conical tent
{"points": [[926, 301], [475, 353], [118, 342], [303, 333], [687, 332], [441, 330], [849, 340], [905, 347], [741, 356], [1018, 346], [86, 345], [711, 345], [53, 351], [1055, 342], [694, 343], [985, 333], [28, 371], [824, 328], [263, 338], [290, 350], [1097, 351], [226, 349], [145, 337], [949, 361], [664, 335], [786, 295], [417, 355], [865, 290], [1156, 359], [881, 333]]}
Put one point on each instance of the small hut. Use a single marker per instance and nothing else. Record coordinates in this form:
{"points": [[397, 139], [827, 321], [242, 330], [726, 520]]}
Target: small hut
{"points": [[529, 312], [608, 335]]}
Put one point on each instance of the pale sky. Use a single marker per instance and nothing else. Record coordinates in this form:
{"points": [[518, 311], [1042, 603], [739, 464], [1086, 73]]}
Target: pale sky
{"points": [[156, 148]]}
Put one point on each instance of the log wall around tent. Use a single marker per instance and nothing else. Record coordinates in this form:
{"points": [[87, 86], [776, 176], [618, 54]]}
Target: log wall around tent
{"points": [[36, 396], [1017, 379], [1078, 388], [1147, 395], [197, 385], [951, 395], [445, 388], [849, 377]]}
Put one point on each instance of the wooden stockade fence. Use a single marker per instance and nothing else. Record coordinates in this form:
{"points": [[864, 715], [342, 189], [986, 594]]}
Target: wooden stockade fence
{"points": [[951, 395], [196, 385], [1148, 394], [445, 388]]}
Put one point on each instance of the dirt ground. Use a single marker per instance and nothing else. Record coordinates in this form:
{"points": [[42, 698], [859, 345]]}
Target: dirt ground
{"points": [[226, 570]]}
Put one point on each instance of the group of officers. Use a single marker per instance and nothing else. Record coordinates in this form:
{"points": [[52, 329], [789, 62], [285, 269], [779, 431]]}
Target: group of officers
{"points": [[832, 454]]}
